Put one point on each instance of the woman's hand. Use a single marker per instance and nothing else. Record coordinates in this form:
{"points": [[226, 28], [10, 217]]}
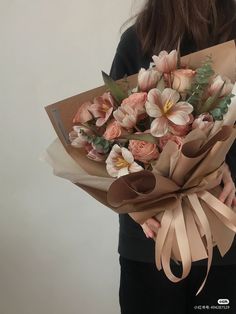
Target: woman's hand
{"points": [[227, 195], [150, 226]]}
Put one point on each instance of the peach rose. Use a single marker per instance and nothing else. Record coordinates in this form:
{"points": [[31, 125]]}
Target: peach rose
{"points": [[143, 151], [114, 130], [182, 79], [181, 130], [169, 137], [135, 101]]}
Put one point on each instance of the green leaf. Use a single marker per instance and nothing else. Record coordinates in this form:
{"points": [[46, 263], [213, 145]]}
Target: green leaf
{"points": [[142, 137], [114, 88]]}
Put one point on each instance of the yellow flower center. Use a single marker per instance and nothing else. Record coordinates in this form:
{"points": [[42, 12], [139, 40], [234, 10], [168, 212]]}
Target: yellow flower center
{"points": [[168, 105], [105, 107], [121, 163]]}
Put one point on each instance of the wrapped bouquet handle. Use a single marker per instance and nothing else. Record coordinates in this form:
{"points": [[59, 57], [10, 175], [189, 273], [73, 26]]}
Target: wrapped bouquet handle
{"points": [[183, 215]]}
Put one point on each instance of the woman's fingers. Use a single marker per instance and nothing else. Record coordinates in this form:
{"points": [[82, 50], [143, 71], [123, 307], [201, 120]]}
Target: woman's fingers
{"points": [[227, 190], [227, 195], [150, 226], [230, 199], [148, 232]]}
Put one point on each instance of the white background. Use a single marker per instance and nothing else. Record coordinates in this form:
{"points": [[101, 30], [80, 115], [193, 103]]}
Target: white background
{"points": [[58, 247]]}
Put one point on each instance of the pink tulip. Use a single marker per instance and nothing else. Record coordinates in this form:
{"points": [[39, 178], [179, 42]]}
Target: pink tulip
{"points": [[148, 79], [217, 84], [166, 62], [126, 116], [83, 114], [121, 162], [77, 138], [165, 108], [203, 122], [102, 108], [93, 154]]}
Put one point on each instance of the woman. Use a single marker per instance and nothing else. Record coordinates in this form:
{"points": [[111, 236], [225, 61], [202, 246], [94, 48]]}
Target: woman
{"points": [[143, 289]]}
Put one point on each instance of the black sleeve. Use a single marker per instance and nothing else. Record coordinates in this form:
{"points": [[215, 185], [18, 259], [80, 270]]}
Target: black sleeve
{"points": [[231, 161], [118, 68]]}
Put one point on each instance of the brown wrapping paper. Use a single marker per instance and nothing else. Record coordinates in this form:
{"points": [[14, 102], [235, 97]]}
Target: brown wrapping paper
{"points": [[182, 190]]}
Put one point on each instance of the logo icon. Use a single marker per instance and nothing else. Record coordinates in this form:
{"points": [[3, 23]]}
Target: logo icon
{"points": [[223, 301]]}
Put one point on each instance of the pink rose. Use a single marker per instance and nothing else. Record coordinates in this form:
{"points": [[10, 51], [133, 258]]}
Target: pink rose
{"points": [[148, 79], [203, 122], [182, 79], [113, 130], [143, 151], [169, 137], [135, 101], [181, 130]]}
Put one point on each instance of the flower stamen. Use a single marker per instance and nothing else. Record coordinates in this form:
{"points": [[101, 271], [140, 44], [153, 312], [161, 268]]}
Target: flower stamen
{"points": [[121, 163]]}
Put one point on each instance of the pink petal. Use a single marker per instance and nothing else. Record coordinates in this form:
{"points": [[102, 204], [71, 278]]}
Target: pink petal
{"points": [[171, 95], [159, 127], [183, 106], [135, 167], [95, 110], [153, 110], [127, 155], [154, 97], [179, 117], [112, 171], [123, 171]]}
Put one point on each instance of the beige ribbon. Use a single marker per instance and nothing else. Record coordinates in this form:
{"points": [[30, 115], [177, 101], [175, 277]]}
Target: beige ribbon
{"points": [[180, 213]]}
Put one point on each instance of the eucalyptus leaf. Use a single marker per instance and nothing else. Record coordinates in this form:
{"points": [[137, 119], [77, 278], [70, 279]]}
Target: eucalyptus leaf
{"points": [[114, 88]]}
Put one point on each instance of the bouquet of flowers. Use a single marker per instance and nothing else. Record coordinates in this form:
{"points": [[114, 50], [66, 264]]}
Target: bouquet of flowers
{"points": [[154, 145]]}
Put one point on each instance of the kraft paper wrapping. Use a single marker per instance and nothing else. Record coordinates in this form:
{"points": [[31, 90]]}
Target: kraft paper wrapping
{"points": [[182, 190]]}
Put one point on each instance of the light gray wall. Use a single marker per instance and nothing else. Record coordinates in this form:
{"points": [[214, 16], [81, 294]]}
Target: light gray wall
{"points": [[58, 247]]}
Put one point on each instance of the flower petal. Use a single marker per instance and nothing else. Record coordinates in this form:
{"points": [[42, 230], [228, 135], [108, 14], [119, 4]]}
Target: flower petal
{"points": [[170, 95], [153, 110], [159, 127], [134, 167], [127, 155], [123, 171]]}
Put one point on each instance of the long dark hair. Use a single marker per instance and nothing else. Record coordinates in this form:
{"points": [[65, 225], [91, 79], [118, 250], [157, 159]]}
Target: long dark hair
{"points": [[162, 23]]}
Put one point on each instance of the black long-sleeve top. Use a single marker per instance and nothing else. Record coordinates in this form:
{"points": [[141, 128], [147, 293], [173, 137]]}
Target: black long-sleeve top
{"points": [[133, 243]]}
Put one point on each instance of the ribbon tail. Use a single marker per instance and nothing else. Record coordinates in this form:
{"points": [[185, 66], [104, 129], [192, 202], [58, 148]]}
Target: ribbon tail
{"points": [[161, 236], [223, 212], [196, 206], [178, 226]]}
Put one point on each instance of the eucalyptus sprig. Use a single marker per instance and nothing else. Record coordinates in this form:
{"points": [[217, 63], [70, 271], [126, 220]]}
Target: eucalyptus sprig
{"points": [[100, 143], [200, 84]]}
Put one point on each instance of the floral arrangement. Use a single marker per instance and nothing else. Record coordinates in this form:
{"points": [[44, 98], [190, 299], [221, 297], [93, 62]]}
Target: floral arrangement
{"points": [[154, 145], [128, 128]]}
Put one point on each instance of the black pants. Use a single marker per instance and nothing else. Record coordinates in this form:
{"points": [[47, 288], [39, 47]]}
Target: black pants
{"points": [[145, 290]]}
